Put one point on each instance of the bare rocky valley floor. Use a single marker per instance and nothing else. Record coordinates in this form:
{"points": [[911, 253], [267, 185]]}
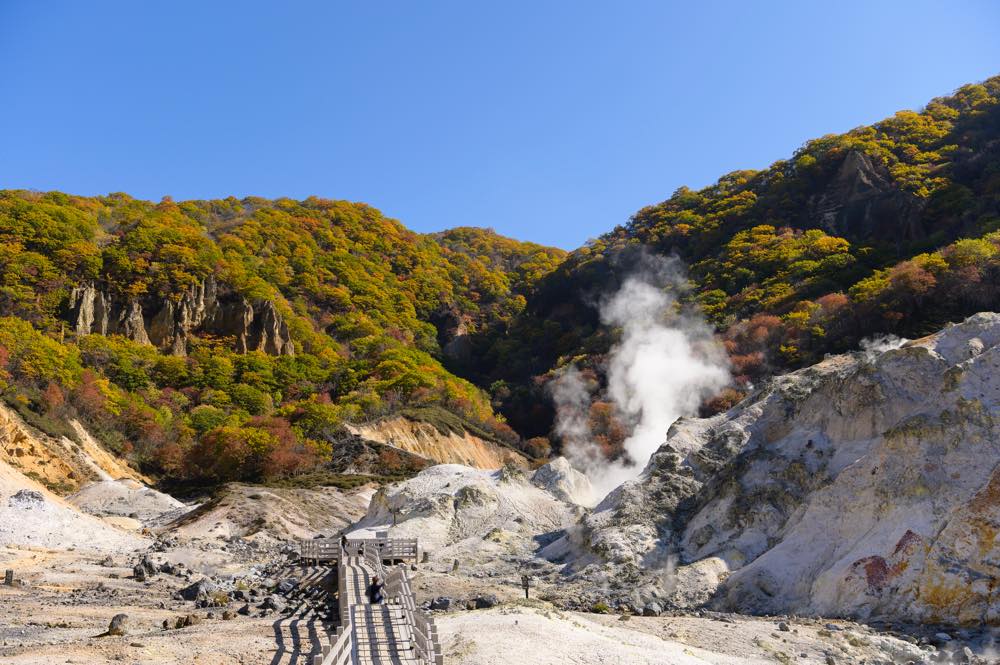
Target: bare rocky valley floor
{"points": [[797, 528]]}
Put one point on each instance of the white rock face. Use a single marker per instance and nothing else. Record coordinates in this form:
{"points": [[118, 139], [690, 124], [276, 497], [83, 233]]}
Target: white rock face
{"points": [[564, 482], [472, 514], [866, 485], [124, 498]]}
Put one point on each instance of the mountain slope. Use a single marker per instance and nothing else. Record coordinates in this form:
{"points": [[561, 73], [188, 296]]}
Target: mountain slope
{"points": [[889, 228], [230, 339]]}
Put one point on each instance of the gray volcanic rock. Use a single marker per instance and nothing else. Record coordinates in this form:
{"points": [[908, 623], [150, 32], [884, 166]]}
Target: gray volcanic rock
{"points": [[200, 589], [866, 485]]}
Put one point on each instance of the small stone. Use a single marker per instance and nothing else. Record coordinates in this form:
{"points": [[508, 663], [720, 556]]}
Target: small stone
{"points": [[942, 638], [288, 585], [830, 660], [228, 615], [783, 627]]}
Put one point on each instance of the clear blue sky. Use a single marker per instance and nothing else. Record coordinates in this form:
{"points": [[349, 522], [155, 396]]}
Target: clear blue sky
{"points": [[549, 121]]}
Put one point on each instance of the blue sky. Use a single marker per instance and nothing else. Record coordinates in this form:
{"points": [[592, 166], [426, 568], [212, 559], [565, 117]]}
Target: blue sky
{"points": [[548, 121]]}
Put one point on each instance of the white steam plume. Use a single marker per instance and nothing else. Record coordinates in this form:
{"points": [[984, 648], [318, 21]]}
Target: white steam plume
{"points": [[665, 364]]}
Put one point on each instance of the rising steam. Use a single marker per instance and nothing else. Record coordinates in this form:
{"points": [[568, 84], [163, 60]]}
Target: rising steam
{"points": [[665, 364]]}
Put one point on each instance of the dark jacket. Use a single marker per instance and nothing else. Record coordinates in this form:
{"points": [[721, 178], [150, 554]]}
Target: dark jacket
{"points": [[376, 592]]}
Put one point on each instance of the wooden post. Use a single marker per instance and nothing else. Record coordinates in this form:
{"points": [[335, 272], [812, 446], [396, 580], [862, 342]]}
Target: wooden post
{"points": [[526, 583], [8, 577]]}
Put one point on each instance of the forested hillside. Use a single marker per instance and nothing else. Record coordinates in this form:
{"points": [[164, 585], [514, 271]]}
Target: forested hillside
{"points": [[213, 340], [889, 228]]}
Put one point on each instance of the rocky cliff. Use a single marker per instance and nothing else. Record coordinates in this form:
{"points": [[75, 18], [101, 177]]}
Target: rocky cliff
{"points": [[862, 200], [867, 485], [207, 308], [59, 463]]}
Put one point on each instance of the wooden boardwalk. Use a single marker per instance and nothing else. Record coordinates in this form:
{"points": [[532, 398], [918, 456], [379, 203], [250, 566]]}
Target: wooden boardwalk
{"points": [[391, 633]]}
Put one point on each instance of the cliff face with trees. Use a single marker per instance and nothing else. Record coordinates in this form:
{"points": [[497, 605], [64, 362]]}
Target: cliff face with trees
{"points": [[213, 340]]}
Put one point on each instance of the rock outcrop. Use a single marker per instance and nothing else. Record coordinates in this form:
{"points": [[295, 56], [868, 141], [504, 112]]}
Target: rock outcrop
{"points": [[469, 514], [206, 308], [862, 201], [564, 482], [427, 441], [867, 485]]}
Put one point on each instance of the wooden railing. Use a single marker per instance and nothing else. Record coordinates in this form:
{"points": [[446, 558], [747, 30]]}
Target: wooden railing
{"points": [[425, 638], [390, 549], [319, 549], [340, 649], [371, 553]]}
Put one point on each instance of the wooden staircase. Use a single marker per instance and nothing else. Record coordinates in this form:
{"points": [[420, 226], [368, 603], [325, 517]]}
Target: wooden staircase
{"points": [[393, 633]]}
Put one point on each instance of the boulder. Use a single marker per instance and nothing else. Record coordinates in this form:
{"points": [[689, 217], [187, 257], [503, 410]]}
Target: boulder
{"points": [[273, 602], [287, 585], [486, 601], [199, 590], [652, 610], [442, 603], [117, 625], [144, 569]]}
